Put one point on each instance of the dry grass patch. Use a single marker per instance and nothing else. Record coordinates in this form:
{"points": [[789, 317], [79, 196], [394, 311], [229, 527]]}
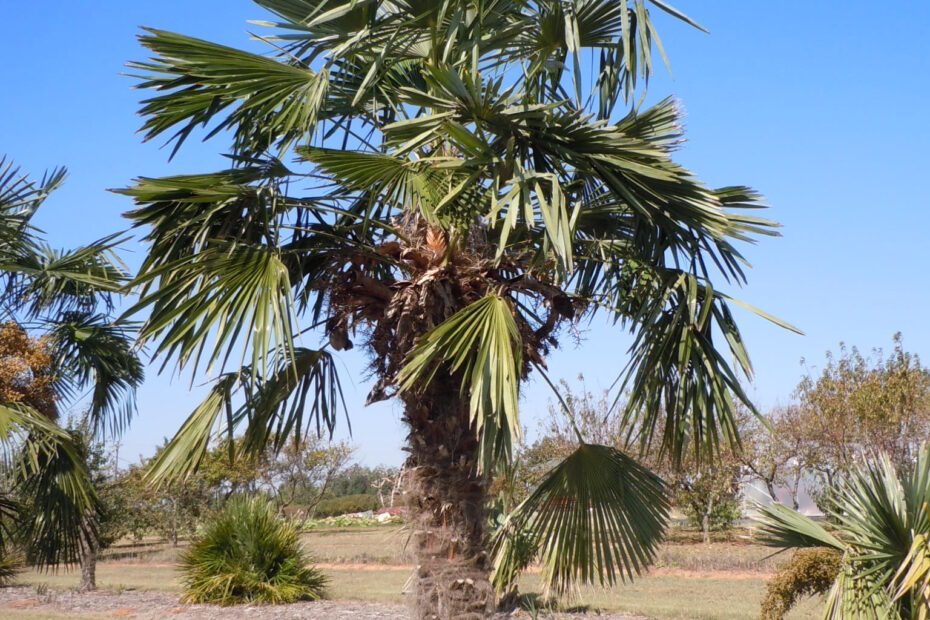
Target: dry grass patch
{"points": [[665, 597], [723, 581]]}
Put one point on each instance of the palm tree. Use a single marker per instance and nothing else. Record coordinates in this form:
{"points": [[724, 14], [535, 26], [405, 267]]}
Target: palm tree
{"points": [[65, 296], [461, 188], [879, 520]]}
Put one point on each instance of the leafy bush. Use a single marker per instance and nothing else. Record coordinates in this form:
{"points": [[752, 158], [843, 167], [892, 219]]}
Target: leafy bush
{"points": [[725, 515], [335, 506], [809, 572], [518, 550], [247, 554]]}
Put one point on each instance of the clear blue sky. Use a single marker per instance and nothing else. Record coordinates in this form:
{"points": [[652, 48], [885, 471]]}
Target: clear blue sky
{"points": [[820, 105]]}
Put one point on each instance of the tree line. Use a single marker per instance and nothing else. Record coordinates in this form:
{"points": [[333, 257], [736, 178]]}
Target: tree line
{"points": [[852, 408]]}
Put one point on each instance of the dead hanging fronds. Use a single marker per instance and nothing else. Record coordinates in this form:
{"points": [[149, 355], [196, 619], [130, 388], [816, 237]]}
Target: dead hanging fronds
{"points": [[433, 276]]}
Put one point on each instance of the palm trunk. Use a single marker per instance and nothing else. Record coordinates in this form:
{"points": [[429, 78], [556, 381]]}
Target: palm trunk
{"points": [[446, 499], [89, 546]]}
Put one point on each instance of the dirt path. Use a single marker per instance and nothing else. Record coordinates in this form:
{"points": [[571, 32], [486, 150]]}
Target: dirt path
{"points": [[164, 606]]}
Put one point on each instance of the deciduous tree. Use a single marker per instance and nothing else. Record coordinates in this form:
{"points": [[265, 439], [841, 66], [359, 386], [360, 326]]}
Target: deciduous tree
{"points": [[858, 405]]}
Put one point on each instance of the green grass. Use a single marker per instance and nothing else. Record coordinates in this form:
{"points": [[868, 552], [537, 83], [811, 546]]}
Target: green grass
{"points": [[675, 597], [661, 597], [721, 582], [372, 545], [112, 576], [385, 544]]}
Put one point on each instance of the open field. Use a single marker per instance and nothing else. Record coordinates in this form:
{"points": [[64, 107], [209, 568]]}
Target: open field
{"points": [[387, 545], [725, 580]]}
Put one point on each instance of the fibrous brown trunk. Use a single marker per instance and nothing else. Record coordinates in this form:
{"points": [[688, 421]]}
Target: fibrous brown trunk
{"points": [[446, 498], [88, 560]]}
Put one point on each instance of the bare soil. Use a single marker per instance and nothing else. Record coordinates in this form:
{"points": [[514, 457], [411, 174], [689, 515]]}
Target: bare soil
{"points": [[26, 602]]}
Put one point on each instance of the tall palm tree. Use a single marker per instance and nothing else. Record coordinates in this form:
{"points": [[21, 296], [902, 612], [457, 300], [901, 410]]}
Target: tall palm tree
{"points": [[65, 297], [879, 520], [451, 184]]}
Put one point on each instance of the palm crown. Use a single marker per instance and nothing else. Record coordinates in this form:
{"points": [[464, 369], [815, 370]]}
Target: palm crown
{"points": [[465, 187]]}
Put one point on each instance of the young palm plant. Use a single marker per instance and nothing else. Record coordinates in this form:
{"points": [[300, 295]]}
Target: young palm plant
{"points": [[248, 554], [460, 187], [64, 297], [879, 521]]}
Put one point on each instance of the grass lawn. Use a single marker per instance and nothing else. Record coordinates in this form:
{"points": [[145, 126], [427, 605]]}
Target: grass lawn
{"points": [[369, 545], [662, 596], [721, 581]]}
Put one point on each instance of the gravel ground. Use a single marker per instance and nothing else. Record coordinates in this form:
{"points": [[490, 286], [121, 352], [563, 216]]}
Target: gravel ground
{"points": [[161, 606]]}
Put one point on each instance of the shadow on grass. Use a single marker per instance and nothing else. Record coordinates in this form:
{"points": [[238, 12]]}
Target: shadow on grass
{"points": [[534, 604]]}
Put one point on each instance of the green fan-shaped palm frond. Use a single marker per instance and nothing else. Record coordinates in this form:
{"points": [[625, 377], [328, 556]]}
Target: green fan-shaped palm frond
{"points": [[20, 197], [781, 526], [304, 390], [676, 372], [229, 291], [913, 576], [860, 595], [228, 204], [201, 79], [187, 449], [49, 471], [53, 281], [92, 351], [596, 518], [481, 344]]}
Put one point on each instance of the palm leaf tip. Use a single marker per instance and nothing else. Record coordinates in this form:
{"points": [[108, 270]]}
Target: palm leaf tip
{"points": [[781, 526]]}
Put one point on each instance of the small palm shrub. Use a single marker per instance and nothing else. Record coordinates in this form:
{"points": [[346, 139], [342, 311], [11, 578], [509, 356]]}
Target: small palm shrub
{"points": [[809, 572], [247, 554], [9, 566]]}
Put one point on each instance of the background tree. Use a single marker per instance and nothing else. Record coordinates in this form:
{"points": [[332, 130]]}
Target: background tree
{"points": [[359, 479], [107, 524], [294, 480], [463, 190], [27, 375], [777, 451], [174, 510], [858, 406], [708, 492], [302, 472]]}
